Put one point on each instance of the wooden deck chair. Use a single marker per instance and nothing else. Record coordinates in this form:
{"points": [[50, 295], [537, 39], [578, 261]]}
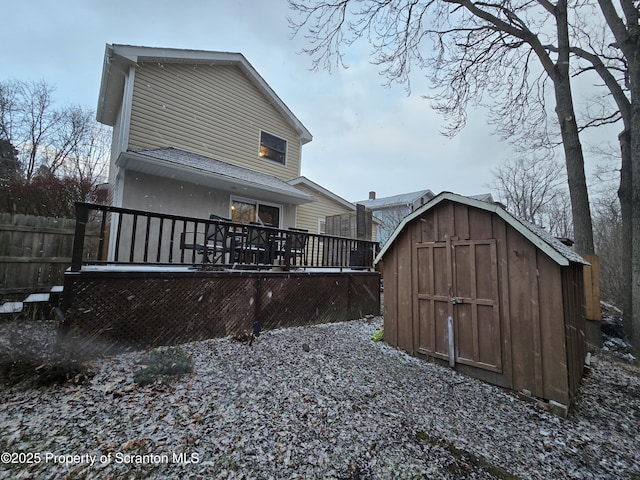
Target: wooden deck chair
{"points": [[257, 248], [218, 242], [298, 238]]}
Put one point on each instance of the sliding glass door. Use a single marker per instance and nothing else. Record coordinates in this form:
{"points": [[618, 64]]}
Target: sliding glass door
{"points": [[245, 211]]}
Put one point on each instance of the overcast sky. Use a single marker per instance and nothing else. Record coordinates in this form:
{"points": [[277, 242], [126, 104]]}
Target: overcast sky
{"points": [[366, 137]]}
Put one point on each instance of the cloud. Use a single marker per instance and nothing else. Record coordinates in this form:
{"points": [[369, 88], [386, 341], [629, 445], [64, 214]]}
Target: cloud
{"points": [[366, 136]]}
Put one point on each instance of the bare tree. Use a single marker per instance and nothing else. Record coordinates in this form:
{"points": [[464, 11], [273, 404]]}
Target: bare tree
{"points": [[558, 216], [608, 226], [73, 127], [88, 160], [607, 235], [486, 49], [62, 153], [37, 120], [44, 136], [625, 27], [389, 219], [515, 53], [613, 52], [528, 186]]}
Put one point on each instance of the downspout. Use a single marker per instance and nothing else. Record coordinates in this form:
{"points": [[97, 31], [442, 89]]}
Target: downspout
{"points": [[125, 117]]}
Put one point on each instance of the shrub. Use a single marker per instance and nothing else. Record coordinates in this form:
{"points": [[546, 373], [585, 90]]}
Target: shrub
{"points": [[378, 335], [46, 196], [29, 359], [159, 364]]}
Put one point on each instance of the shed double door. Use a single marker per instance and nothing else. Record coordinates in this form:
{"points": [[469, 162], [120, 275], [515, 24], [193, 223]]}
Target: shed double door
{"points": [[459, 278]]}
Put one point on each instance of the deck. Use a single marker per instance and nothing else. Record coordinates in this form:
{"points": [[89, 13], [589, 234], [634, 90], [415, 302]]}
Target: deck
{"points": [[151, 279]]}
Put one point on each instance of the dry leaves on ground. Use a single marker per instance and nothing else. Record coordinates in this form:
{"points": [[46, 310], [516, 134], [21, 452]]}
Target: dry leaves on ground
{"points": [[344, 407]]}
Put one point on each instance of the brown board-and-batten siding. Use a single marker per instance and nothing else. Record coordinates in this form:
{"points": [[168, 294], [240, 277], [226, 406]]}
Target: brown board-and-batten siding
{"points": [[518, 315]]}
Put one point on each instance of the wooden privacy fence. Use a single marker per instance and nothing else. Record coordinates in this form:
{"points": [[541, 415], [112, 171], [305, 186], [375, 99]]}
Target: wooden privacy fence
{"points": [[35, 251]]}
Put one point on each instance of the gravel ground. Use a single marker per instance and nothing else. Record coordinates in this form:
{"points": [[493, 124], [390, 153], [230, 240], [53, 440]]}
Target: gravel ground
{"points": [[316, 402]]}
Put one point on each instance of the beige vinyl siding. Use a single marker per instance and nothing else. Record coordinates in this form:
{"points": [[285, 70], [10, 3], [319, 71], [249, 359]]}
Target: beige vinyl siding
{"points": [[211, 110], [309, 213]]}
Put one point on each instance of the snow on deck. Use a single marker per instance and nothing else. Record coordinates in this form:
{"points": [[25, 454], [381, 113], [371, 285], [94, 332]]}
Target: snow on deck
{"points": [[37, 298], [177, 269], [135, 268], [11, 307]]}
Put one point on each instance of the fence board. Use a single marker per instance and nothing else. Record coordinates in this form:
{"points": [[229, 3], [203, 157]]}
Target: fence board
{"points": [[35, 251]]}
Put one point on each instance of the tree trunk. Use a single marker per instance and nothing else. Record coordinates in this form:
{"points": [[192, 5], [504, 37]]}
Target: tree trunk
{"points": [[583, 229], [633, 317], [581, 212], [626, 207], [626, 30]]}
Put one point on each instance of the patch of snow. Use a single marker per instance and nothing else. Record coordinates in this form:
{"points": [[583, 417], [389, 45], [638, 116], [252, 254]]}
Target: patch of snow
{"points": [[37, 298], [11, 307], [618, 348], [136, 268]]}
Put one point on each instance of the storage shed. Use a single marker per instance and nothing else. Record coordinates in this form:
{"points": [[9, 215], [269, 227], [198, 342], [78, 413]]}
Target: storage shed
{"points": [[499, 299]]}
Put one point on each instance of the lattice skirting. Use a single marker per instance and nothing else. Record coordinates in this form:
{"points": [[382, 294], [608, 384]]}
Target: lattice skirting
{"points": [[108, 311]]}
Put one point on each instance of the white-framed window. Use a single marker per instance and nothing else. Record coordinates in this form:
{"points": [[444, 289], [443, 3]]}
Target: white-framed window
{"points": [[273, 148], [244, 210]]}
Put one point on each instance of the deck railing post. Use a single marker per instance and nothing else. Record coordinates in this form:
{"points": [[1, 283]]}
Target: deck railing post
{"points": [[103, 225], [278, 246], [287, 252], [82, 218]]}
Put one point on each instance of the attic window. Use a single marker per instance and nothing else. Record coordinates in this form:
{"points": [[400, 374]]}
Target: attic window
{"points": [[273, 148]]}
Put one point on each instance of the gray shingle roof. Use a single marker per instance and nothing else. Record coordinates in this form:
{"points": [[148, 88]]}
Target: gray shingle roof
{"points": [[556, 244], [219, 168], [400, 199]]}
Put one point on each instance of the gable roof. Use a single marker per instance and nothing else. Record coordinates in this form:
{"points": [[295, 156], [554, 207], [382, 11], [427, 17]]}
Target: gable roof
{"points": [[194, 168], [542, 239], [395, 200], [302, 180], [118, 59]]}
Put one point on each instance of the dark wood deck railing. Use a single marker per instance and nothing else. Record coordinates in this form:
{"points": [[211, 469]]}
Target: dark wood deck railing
{"points": [[135, 237]]}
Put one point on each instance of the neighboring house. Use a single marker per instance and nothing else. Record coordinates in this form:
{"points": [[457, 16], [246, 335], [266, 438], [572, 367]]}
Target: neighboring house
{"points": [[312, 215], [389, 211], [198, 133]]}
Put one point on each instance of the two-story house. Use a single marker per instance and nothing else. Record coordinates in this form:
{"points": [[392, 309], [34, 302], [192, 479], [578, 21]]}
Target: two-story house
{"points": [[198, 133]]}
